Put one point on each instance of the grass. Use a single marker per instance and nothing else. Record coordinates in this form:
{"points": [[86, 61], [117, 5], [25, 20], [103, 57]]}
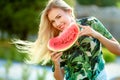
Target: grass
{"points": [[108, 56], [118, 4], [9, 52]]}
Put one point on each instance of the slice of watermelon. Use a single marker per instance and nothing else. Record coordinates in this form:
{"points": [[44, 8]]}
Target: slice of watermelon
{"points": [[65, 40]]}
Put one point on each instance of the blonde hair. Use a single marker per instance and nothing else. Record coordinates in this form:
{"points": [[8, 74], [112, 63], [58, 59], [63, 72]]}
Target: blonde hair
{"points": [[38, 51]]}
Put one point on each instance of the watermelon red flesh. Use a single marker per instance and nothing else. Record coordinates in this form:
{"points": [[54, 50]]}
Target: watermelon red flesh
{"points": [[65, 40]]}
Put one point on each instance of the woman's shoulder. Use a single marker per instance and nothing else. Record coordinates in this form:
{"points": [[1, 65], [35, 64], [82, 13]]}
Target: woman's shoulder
{"points": [[86, 20]]}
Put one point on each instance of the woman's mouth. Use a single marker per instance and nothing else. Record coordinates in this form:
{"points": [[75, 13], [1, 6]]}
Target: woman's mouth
{"points": [[61, 27]]}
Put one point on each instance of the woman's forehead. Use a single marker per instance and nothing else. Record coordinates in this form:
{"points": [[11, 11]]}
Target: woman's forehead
{"points": [[54, 12]]}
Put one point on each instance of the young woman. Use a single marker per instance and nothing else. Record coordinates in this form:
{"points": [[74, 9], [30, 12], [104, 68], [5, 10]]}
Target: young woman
{"points": [[83, 61]]}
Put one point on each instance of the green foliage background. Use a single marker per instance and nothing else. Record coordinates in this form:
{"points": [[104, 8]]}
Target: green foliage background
{"points": [[101, 3], [20, 18]]}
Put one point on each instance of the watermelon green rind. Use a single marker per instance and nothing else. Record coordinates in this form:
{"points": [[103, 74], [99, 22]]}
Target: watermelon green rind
{"points": [[65, 40]]}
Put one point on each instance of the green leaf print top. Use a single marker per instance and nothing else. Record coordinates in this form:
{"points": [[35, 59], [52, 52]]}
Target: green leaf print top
{"points": [[84, 61]]}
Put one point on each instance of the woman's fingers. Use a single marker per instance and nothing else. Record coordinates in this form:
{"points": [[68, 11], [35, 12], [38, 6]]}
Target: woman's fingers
{"points": [[81, 26], [87, 31], [52, 53], [55, 56]]}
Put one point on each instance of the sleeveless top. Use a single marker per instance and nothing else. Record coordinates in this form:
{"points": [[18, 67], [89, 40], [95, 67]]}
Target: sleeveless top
{"points": [[84, 61]]}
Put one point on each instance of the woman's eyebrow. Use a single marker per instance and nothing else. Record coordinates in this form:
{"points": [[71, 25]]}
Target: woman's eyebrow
{"points": [[55, 18]]}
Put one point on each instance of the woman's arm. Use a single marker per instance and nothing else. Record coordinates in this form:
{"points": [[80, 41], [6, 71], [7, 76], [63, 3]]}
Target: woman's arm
{"points": [[58, 72], [111, 44]]}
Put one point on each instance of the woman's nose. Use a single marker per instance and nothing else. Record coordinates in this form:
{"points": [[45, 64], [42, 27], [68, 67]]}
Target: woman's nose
{"points": [[57, 23]]}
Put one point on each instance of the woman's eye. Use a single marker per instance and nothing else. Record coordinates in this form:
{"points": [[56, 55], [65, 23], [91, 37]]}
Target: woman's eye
{"points": [[58, 16]]}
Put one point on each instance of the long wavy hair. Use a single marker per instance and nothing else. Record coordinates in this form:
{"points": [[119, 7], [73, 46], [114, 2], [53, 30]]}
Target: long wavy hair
{"points": [[38, 51]]}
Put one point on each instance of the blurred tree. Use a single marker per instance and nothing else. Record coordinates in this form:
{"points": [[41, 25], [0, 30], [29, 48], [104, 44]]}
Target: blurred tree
{"points": [[70, 2], [101, 3], [20, 17]]}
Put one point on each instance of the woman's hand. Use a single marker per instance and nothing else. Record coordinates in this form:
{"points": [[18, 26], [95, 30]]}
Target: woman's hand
{"points": [[58, 73], [55, 57], [111, 44], [88, 31]]}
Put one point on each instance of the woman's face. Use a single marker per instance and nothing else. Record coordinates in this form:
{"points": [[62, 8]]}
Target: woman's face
{"points": [[59, 19]]}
